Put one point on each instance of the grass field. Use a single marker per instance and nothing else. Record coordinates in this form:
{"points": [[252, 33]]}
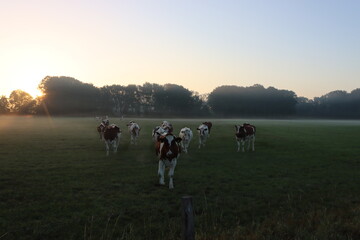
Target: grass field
{"points": [[302, 182]]}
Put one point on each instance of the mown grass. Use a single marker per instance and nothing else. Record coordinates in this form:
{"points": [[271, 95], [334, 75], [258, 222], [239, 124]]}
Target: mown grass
{"points": [[302, 182]]}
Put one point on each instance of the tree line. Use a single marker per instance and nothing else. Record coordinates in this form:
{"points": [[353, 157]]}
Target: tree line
{"points": [[68, 96]]}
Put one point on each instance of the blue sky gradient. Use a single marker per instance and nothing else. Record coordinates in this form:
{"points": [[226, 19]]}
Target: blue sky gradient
{"points": [[309, 47]]}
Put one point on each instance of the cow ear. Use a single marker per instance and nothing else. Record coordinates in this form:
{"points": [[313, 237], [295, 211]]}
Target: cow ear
{"points": [[178, 139]]}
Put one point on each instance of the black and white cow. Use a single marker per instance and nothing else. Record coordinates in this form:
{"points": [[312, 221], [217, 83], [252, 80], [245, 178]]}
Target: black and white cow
{"points": [[186, 135], [134, 130], [203, 131], [168, 150], [245, 134]]}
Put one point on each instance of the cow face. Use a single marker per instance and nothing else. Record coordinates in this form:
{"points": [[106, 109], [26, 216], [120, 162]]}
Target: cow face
{"points": [[185, 134], [168, 147], [240, 131], [203, 130]]}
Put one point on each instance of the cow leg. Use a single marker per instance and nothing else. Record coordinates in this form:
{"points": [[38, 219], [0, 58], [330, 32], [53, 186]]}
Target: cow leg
{"points": [[107, 148], [238, 145], [242, 145], [135, 140], [171, 173], [116, 144], [253, 143], [161, 171]]}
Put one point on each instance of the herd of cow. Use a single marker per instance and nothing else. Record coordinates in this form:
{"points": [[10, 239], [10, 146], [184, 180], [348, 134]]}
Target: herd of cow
{"points": [[169, 146]]}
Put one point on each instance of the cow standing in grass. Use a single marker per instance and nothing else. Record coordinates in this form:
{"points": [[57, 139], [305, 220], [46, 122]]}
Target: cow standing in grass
{"points": [[186, 135], [203, 131], [167, 149], [245, 134], [104, 123], [134, 130], [112, 135]]}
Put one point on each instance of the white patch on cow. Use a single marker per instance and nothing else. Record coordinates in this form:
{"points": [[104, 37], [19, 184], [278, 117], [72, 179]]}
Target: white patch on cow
{"points": [[186, 135]]}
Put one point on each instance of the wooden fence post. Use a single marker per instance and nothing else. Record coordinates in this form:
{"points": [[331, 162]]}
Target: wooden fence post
{"points": [[188, 218]]}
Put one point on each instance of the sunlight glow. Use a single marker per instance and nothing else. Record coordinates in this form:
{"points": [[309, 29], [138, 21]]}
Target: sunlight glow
{"points": [[26, 70]]}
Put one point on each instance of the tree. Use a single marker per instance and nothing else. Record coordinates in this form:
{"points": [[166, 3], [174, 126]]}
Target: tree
{"points": [[4, 105], [66, 95], [256, 100], [22, 102]]}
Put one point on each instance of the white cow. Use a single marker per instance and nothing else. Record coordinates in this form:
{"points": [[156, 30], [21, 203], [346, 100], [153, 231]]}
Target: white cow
{"points": [[186, 135], [203, 131], [134, 130]]}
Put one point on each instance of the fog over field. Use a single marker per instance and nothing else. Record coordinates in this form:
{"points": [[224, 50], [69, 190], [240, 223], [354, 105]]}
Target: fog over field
{"points": [[301, 182]]}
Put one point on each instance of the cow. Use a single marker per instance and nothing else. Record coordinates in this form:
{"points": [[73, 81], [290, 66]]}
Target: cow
{"points": [[186, 135], [111, 136], [168, 150], [167, 126], [245, 133], [157, 132], [209, 124], [203, 131], [134, 130], [104, 123]]}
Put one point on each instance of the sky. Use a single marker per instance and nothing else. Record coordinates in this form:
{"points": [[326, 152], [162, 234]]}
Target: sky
{"points": [[311, 47]]}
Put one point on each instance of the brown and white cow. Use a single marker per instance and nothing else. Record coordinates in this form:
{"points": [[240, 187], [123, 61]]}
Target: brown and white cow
{"points": [[186, 135], [245, 134], [168, 150], [134, 130], [203, 131], [111, 136], [104, 123]]}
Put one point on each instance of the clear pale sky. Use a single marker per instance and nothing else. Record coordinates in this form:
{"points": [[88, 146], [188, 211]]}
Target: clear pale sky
{"points": [[310, 47]]}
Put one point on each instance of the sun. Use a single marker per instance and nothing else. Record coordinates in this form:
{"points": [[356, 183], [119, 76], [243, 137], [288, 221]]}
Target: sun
{"points": [[28, 80], [25, 68]]}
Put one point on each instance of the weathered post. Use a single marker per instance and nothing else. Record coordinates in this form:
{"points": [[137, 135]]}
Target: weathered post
{"points": [[188, 218]]}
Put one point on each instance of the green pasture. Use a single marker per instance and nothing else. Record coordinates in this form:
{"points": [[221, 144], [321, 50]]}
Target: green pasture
{"points": [[302, 181]]}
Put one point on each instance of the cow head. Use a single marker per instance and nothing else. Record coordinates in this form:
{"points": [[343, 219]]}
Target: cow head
{"points": [[168, 147], [186, 134], [240, 131], [203, 130], [130, 123]]}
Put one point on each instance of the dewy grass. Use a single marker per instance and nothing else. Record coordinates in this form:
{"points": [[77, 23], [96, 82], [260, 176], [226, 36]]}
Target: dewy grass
{"points": [[302, 181]]}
